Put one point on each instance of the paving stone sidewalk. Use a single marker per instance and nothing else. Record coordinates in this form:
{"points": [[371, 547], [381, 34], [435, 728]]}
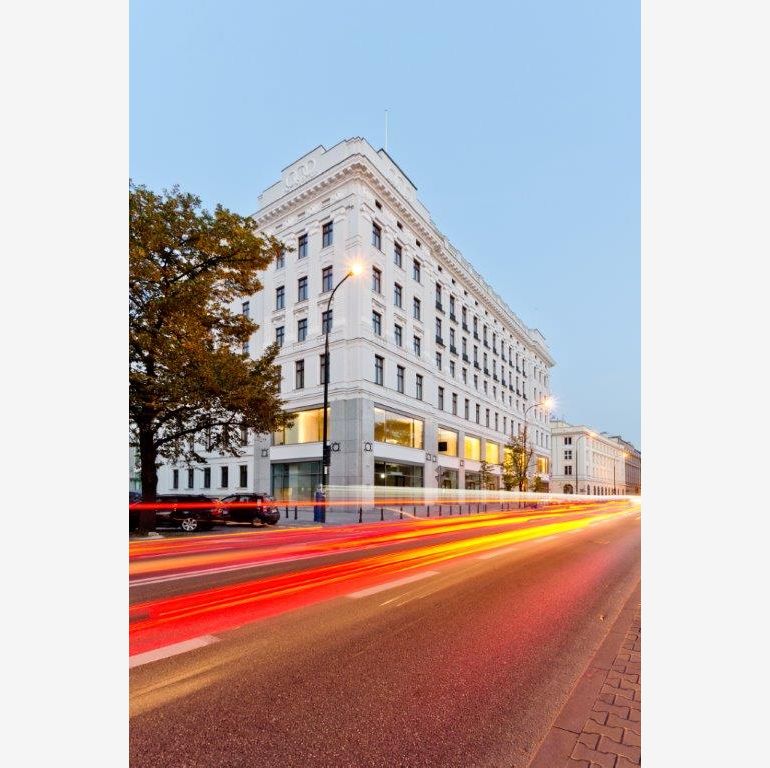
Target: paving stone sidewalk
{"points": [[600, 725]]}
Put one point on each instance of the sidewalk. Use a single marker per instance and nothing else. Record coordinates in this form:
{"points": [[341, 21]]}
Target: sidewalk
{"points": [[600, 725]]}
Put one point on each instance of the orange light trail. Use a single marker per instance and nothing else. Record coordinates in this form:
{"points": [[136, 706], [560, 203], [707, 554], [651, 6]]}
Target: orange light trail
{"points": [[159, 622]]}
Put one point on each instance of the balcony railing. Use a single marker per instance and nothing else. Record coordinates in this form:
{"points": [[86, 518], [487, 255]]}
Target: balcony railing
{"points": [[453, 349], [494, 376], [465, 327], [476, 335], [476, 365], [439, 341], [486, 371], [440, 307], [466, 358], [453, 317]]}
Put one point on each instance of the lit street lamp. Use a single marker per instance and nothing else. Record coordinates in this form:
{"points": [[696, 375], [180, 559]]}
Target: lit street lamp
{"points": [[355, 269], [546, 404]]}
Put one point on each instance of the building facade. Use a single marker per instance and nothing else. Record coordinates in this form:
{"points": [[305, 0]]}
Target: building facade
{"points": [[596, 464], [430, 371]]}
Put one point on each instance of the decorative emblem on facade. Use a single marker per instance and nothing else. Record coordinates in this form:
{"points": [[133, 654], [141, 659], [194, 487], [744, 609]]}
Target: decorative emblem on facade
{"points": [[300, 174], [335, 447], [368, 447]]}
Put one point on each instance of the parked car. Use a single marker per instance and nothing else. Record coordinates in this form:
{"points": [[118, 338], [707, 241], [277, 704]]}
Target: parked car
{"points": [[190, 512], [262, 508]]}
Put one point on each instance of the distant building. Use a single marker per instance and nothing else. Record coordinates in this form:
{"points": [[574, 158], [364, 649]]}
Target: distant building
{"points": [[587, 462], [430, 370]]}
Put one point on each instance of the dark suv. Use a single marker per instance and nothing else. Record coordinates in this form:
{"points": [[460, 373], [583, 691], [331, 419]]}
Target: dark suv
{"points": [[251, 508], [191, 512]]}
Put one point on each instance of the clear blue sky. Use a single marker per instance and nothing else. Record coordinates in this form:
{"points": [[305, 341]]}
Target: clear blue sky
{"points": [[519, 122]]}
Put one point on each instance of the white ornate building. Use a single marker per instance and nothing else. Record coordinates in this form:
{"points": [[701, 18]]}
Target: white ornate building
{"points": [[431, 372], [586, 462]]}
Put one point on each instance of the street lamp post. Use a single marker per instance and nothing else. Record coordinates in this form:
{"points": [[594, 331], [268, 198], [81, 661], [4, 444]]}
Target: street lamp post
{"points": [[356, 269], [547, 404], [577, 453]]}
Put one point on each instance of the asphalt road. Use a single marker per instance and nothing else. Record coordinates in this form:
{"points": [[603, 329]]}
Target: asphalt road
{"points": [[378, 647]]}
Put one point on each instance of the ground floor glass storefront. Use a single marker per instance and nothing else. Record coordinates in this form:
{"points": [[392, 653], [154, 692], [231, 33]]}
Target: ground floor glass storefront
{"points": [[448, 478], [398, 475], [296, 481]]}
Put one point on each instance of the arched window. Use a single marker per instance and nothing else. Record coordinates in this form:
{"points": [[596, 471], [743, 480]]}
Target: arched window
{"points": [[568, 488]]}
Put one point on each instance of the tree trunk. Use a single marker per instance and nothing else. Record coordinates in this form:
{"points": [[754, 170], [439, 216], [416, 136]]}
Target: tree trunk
{"points": [[148, 455]]}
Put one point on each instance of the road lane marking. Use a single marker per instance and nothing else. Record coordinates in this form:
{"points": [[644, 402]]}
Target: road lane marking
{"points": [[390, 585], [171, 650], [223, 569]]}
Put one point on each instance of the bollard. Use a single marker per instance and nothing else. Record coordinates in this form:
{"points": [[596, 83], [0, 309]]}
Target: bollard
{"points": [[360, 515], [459, 509], [295, 511], [401, 514], [439, 510], [428, 510], [382, 514], [287, 511], [414, 510], [450, 510]]}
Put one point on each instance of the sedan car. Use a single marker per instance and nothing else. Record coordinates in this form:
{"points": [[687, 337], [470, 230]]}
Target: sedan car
{"points": [[190, 512], [251, 508]]}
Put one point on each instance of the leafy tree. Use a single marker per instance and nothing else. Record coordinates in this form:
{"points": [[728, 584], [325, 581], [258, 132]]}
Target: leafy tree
{"points": [[538, 484], [484, 474], [190, 380], [516, 460]]}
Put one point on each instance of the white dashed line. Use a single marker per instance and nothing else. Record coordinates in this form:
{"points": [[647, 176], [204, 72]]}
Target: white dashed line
{"points": [[170, 650], [391, 584]]}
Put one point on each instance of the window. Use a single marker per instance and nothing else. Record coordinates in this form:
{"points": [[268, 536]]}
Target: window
{"points": [[467, 408], [568, 469], [322, 370], [492, 453], [395, 429], [465, 375], [397, 293], [416, 308], [447, 442], [299, 374], [279, 335], [377, 323], [487, 418], [327, 234], [400, 378], [397, 254], [441, 398], [452, 339], [398, 334], [377, 236], [438, 295], [452, 307], [417, 346], [326, 321], [454, 403], [175, 483], [243, 475], [475, 381], [416, 270], [223, 477], [452, 368], [438, 328], [478, 413], [465, 318], [302, 289], [497, 422], [244, 435], [327, 279], [542, 465], [245, 308], [302, 329], [307, 427], [568, 454], [302, 247], [279, 297], [190, 478], [567, 441], [438, 360], [376, 280], [472, 448], [418, 387], [379, 370], [280, 260], [207, 477]]}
